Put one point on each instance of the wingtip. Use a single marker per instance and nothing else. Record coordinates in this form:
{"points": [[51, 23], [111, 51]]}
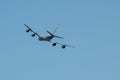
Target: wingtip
{"points": [[25, 24]]}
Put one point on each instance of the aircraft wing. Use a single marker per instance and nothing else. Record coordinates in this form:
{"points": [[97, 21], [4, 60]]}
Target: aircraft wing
{"points": [[29, 29], [62, 45], [65, 45]]}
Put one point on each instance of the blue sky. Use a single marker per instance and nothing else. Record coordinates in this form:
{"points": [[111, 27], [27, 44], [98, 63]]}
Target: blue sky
{"points": [[93, 26]]}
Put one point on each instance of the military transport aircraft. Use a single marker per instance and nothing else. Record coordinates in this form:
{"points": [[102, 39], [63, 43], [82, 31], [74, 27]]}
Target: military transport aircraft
{"points": [[47, 37]]}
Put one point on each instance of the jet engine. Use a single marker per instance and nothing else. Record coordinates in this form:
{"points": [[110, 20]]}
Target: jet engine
{"points": [[33, 35], [27, 30], [63, 46], [54, 44]]}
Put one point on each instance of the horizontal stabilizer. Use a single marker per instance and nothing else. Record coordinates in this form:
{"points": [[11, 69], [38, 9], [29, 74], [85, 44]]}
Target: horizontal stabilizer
{"points": [[59, 37], [50, 33], [54, 35]]}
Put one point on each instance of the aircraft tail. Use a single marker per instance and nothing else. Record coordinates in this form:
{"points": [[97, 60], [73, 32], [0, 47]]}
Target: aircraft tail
{"points": [[55, 30], [54, 35], [58, 37], [50, 33]]}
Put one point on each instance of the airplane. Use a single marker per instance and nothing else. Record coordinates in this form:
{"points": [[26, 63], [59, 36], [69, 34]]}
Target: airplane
{"points": [[47, 37]]}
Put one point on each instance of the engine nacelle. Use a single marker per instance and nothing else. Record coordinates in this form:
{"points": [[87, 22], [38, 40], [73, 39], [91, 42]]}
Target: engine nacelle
{"points": [[27, 30], [33, 35], [54, 44], [63, 46]]}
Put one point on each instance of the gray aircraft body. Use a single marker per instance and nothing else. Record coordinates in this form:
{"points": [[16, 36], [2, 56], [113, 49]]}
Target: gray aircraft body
{"points": [[47, 37]]}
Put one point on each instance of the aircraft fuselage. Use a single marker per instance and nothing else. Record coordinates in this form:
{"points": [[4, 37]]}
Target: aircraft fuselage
{"points": [[45, 37]]}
